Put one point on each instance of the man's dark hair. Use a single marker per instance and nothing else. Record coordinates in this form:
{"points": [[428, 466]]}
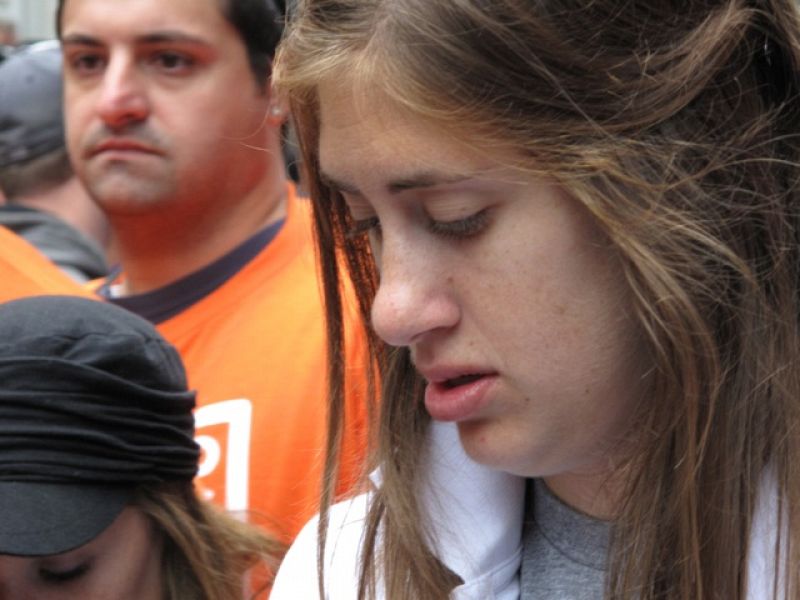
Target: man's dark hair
{"points": [[259, 23]]}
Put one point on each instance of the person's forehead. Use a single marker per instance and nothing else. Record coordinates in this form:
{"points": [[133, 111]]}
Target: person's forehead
{"points": [[388, 146], [366, 122], [130, 19]]}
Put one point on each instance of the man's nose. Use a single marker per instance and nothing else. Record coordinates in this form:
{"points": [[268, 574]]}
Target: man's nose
{"points": [[123, 95]]}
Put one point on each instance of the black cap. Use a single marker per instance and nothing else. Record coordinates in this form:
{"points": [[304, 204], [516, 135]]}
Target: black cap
{"points": [[93, 403], [40, 519], [31, 119]]}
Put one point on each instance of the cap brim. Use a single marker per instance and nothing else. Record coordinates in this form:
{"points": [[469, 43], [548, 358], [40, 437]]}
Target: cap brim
{"points": [[39, 519]]}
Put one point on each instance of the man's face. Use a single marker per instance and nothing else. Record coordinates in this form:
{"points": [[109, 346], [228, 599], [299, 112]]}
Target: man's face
{"points": [[161, 106]]}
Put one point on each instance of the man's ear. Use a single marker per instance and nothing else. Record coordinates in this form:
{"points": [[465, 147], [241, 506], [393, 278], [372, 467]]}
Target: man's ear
{"points": [[278, 110]]}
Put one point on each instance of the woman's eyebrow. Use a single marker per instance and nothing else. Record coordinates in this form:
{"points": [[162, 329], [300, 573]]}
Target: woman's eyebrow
{"points": [[425, 179], [337, 184], [421, 180]]}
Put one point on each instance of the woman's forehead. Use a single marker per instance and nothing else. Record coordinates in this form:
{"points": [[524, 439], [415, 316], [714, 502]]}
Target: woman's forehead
{"points": [[365, 126]]}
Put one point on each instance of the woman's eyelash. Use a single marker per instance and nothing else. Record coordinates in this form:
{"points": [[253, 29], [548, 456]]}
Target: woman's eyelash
{"points": [[362, 226], [462, 228], [63, 576]]}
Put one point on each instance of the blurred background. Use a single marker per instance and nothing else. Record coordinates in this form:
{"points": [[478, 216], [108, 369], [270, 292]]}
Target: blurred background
{"points": [[23, 21]]}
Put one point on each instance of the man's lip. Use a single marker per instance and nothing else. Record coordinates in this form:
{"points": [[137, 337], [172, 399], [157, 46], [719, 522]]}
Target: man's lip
{"points": [[122, 146]]}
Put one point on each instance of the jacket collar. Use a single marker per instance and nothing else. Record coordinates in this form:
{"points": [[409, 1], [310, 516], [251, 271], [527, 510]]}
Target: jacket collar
{"points": [[476, 516]]}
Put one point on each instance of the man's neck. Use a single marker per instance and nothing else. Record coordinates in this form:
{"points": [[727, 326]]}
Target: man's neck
{"points": [[158, 249]]}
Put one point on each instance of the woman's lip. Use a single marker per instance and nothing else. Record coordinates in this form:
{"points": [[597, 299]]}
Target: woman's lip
{"points": [[461, 402]]}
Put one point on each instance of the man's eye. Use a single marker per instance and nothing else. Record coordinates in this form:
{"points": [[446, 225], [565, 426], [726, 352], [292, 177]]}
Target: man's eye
{"points": [[86, 63], [172, 61], [57, 576], [462, 228]]}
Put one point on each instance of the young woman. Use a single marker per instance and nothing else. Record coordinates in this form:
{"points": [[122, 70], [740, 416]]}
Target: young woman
{"points": [[574, 231], [97, 458]]}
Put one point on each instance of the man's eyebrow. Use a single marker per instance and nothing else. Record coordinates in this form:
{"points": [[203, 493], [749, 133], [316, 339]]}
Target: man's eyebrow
{"points": [[160, 37], [156, 37], [422, 180], [80, 39]]}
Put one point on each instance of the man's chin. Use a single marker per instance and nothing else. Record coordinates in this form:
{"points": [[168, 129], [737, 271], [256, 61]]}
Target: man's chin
{"points": [[128, 196]]}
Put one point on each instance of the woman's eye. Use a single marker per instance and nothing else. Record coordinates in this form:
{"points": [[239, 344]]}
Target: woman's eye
{"points": [[361, 226], [462, 228], [58, 576]]}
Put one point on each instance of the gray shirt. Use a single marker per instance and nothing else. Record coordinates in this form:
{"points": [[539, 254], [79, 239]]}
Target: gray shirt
{"points": [[564, 550]]}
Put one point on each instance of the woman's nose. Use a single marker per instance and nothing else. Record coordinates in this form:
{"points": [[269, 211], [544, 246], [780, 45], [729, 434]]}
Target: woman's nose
{"points": [[414, 295]]}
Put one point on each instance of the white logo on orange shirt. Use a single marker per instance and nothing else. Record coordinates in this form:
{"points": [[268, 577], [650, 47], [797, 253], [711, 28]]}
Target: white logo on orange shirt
{"points": [[237, 415]]}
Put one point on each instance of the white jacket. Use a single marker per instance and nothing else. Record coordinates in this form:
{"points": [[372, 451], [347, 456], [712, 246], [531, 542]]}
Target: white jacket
{"points": [[476, 514]]}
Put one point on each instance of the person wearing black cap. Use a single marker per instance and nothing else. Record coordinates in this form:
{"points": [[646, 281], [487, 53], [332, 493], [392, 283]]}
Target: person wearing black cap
{"points": [[40, 197], [97, 459]]}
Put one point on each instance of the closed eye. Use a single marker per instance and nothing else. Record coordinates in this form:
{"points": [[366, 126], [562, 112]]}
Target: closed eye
{"points": [[57, 577], [362, 226], [459, 229], [462, 228]]}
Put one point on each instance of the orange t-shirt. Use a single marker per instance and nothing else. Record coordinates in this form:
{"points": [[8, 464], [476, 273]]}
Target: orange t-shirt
{"points": [[24, 271], [254, 350]]}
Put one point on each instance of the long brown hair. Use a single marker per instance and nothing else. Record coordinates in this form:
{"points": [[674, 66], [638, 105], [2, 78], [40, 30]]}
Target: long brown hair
{"points": [[208, 554], [675, 123]]}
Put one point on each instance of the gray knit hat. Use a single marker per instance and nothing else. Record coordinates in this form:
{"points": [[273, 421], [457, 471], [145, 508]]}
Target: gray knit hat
{"points": [[31, 119]]}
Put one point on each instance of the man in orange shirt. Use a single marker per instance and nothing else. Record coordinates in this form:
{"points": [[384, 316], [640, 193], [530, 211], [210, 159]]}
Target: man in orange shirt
{"points": [[172, 128]]}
